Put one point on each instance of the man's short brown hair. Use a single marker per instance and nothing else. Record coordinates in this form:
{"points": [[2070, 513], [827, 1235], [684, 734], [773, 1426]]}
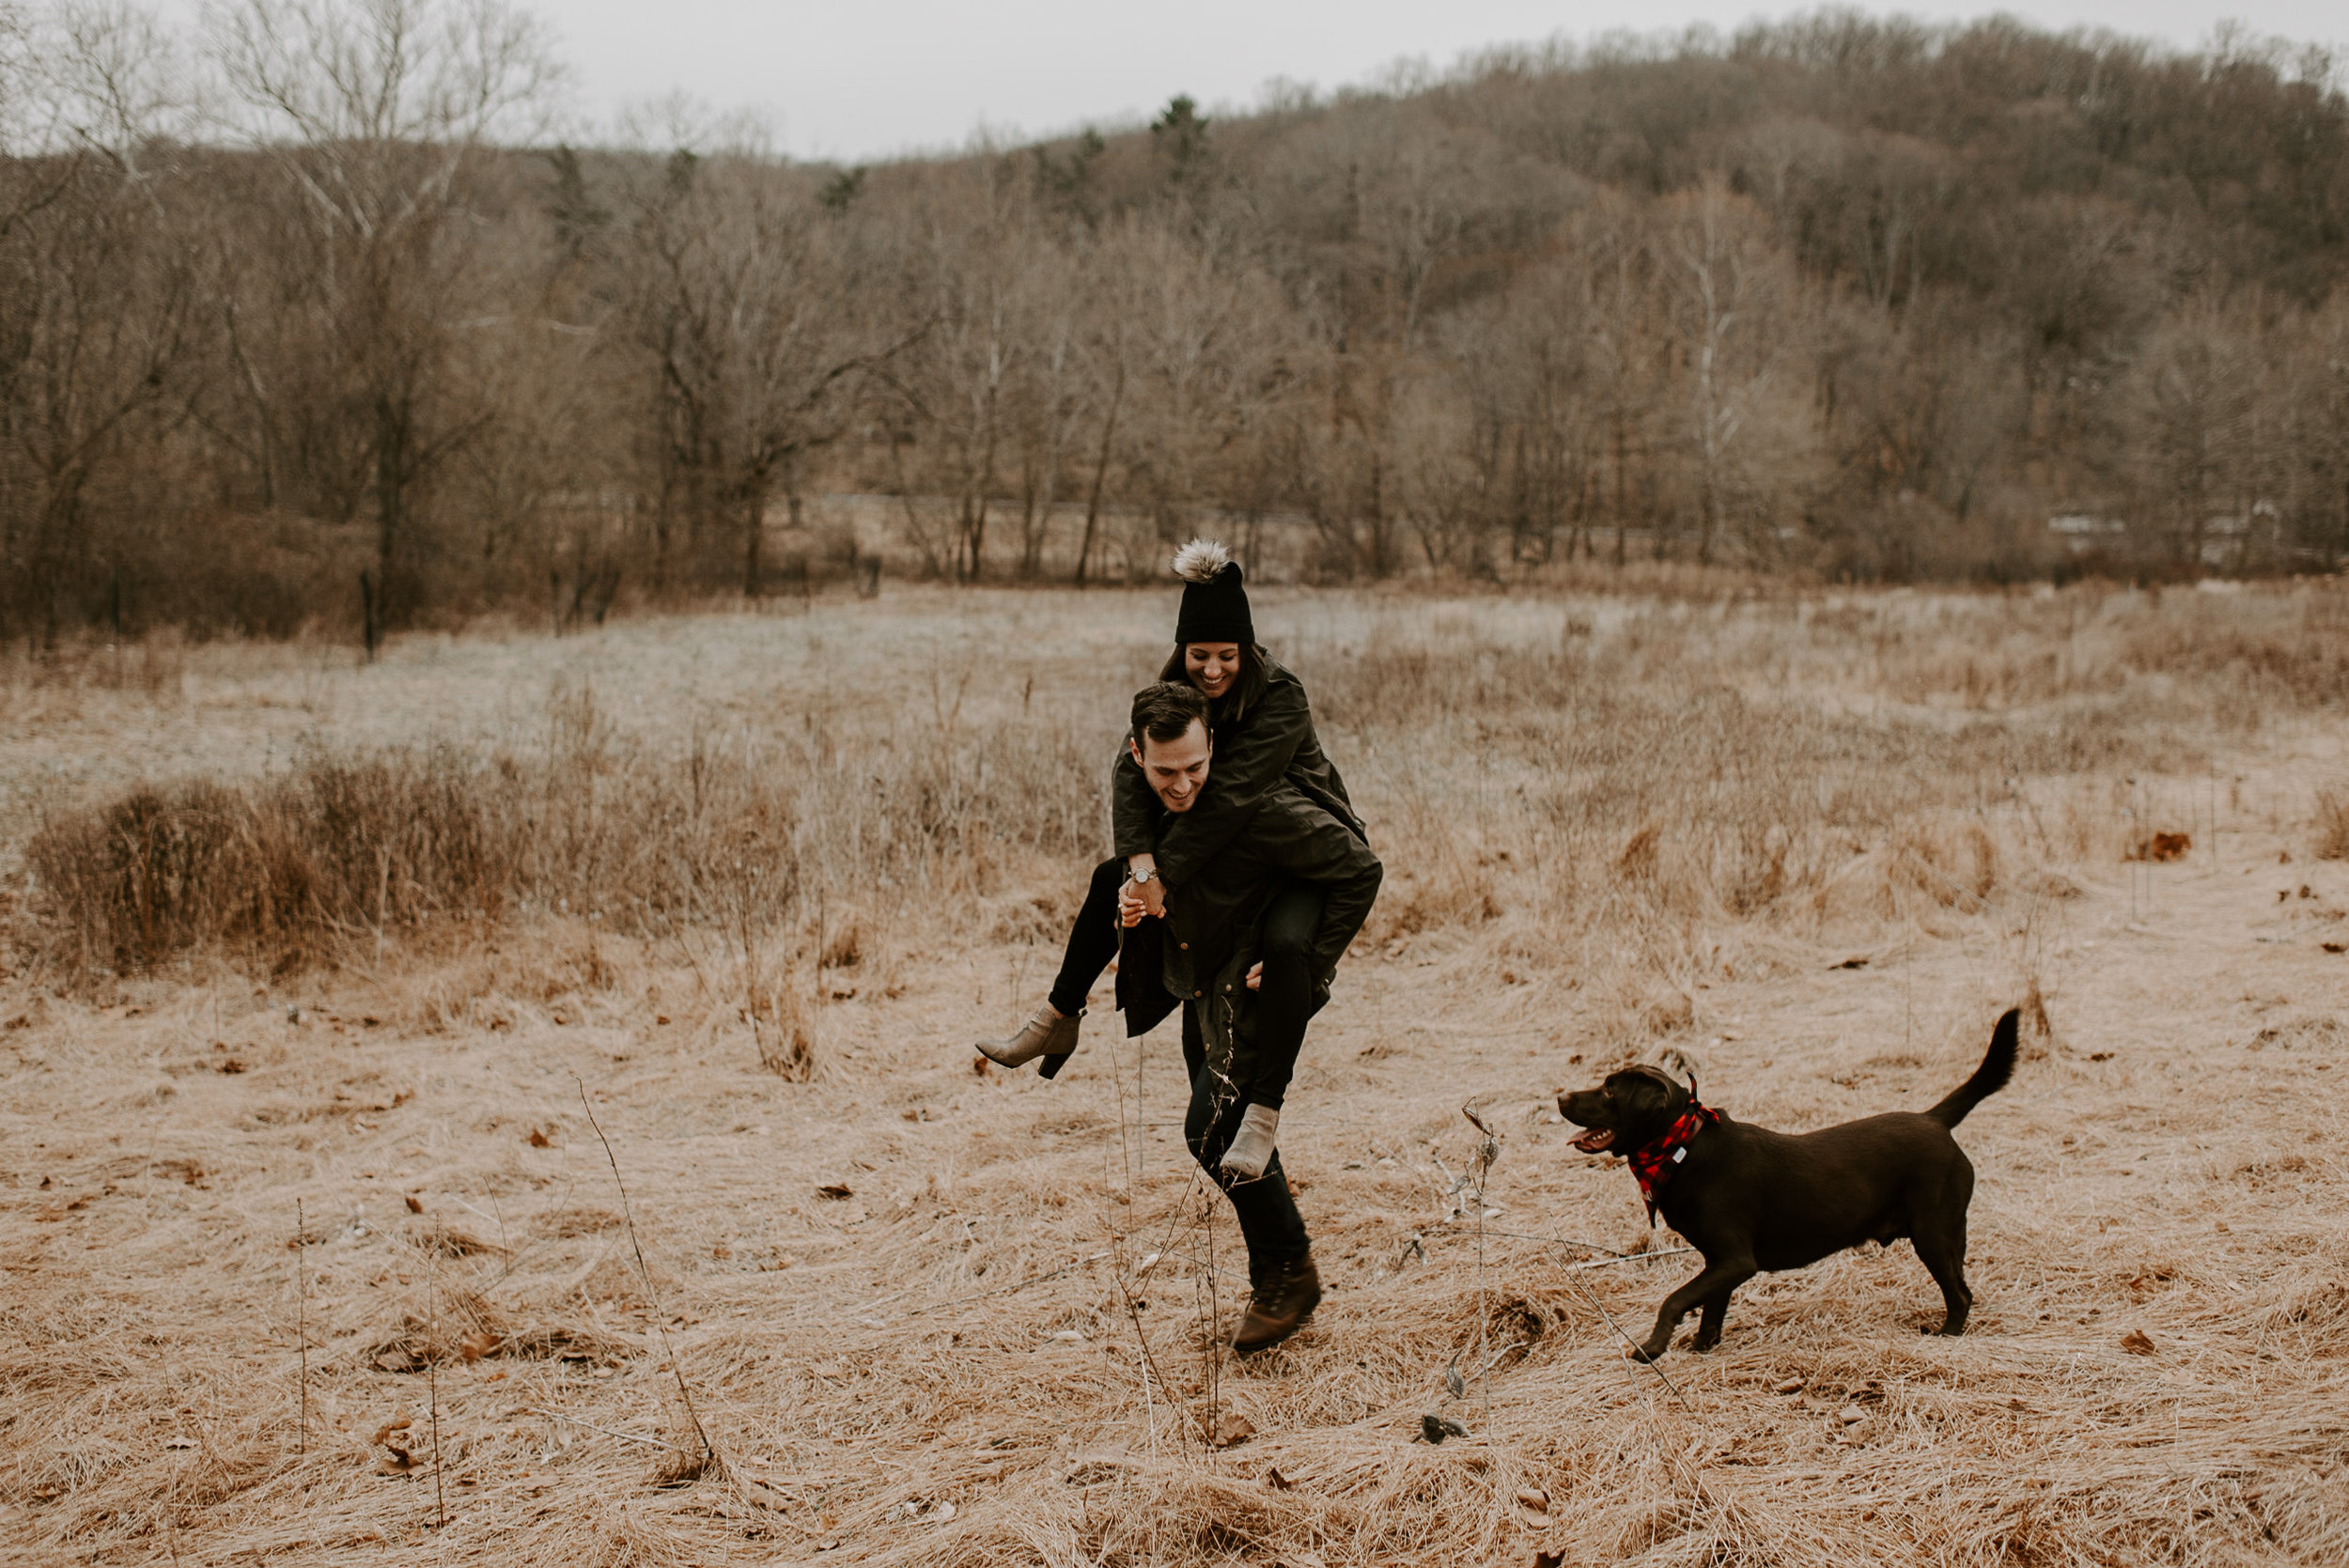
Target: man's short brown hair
{"points": [[1167, 710]]}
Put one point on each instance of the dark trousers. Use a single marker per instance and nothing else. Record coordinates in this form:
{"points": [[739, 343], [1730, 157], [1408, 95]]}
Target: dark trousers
{"points": [[1283, 1005], [1285, 1001], [1275, 1231], [1269, 1220], [1092, 941]]}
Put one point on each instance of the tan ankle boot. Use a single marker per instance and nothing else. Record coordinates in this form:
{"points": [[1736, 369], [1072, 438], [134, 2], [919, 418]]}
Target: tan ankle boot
{"points": [[1280, 1306], [1046, 1035]]}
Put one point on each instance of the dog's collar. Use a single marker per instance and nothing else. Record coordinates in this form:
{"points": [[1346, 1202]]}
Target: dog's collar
{"points": [[1654, 1161]]}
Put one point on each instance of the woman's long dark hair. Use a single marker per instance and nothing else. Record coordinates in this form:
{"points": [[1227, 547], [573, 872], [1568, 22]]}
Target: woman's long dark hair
{"points": [[1247, 689]]}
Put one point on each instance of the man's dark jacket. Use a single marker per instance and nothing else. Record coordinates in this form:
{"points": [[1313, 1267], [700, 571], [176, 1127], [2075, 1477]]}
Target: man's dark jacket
{"points": [[1200, 951]]}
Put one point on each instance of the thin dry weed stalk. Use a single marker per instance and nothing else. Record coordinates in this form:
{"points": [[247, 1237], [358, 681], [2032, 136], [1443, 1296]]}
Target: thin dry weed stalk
{"points": [[433, 1376], [707, 1457], [302, 1335]]}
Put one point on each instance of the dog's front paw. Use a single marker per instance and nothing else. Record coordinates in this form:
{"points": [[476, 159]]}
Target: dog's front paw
{"points": [[1703, 1343], [1645, 1353]]}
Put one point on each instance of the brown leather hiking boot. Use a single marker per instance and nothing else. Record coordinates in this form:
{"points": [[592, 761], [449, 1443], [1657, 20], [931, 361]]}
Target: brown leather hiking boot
{"points": [[1280, 1306]]}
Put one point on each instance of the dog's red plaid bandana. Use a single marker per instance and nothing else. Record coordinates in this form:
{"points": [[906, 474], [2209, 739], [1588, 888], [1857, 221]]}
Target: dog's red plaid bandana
{"points": [[1653, 1162]]}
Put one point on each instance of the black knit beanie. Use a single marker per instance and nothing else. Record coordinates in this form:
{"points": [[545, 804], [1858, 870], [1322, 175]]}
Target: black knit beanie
{"points": [[1215, 606]]}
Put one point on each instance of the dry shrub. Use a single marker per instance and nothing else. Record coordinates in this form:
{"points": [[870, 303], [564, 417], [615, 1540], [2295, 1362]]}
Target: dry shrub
{"points": [[1954, 863], [846, 945], [2332, 825], [775, 1005], [1455, 895], [291, 868]]}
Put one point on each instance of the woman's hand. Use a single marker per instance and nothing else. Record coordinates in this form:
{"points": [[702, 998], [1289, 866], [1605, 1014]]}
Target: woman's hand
{"points": [[1129, 908], [1255, 976], [1151, 893]]}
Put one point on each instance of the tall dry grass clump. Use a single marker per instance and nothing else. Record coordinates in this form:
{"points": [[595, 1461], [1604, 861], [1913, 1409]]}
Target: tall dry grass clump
{"points": [[744, 835], [2332, 825]]}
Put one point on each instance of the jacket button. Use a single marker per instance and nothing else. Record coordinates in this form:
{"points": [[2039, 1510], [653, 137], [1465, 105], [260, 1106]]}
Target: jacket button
{"points": [[1184, 946], [1197, 993]]}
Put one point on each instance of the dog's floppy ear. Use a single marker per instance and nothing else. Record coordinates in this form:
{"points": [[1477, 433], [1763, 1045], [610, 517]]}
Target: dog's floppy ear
{"points": [[1647, 1092]]}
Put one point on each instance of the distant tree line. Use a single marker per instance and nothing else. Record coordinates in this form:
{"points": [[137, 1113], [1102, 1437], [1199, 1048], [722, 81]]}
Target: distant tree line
{"points": [[311, 315]]}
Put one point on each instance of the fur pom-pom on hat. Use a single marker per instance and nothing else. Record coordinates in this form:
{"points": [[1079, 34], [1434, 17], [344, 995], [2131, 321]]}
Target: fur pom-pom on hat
{"points": [[1215, 606], [1202, 561]]}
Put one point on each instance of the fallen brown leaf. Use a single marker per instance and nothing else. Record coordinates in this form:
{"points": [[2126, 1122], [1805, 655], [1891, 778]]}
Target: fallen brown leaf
{"points": [[541, 1138], [415, 1204], [836, 1189], [1234, 1429], [2162, 846], [479, 1344], [400, 1421], [1535, 1498], [2136, 1343]]}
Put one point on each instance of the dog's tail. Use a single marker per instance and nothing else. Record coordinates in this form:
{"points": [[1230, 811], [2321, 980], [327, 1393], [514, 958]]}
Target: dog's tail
{"points": [[1997, 1065]]}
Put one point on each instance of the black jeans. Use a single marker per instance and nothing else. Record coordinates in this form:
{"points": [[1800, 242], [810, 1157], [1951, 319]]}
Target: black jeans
{"points": [[1285, 1002], [1092, 941], [1275, 1231], [1282, 1007]]}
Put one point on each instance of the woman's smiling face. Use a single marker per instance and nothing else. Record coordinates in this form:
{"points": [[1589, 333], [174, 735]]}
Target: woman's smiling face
{"points": [[1211, 667]]}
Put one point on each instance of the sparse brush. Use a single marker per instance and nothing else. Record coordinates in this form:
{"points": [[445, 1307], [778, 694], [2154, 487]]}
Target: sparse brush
{"points": [[341, 847], [2332, 825]]}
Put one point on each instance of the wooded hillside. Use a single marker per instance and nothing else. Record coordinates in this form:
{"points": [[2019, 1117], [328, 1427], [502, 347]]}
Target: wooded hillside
{"points": [[317, 293]]}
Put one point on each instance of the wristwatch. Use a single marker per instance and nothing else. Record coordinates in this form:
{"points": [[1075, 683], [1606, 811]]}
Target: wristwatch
{"points": [[1148, 874]]}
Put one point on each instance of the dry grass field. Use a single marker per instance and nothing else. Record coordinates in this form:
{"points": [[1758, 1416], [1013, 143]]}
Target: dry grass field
{"points": [[442, 1096]]}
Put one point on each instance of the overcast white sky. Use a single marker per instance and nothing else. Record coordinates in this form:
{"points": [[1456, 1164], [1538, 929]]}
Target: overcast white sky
{"points": [[861, 78]]}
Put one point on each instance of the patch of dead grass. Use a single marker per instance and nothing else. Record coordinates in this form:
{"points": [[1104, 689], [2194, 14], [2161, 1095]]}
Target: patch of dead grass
{"points": [[1668, 832]]}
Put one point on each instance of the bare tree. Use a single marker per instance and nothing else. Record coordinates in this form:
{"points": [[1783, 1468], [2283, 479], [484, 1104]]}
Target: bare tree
{"points": [[737, 299], [1730, 292], [378, 117], [97, 279]]}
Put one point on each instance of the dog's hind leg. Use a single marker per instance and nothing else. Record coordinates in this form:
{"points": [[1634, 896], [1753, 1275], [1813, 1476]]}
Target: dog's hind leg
{"points": [[1941, 1248]]}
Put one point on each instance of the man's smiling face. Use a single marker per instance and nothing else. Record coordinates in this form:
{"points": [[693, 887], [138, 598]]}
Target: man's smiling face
{"points": [[1177, 768]]}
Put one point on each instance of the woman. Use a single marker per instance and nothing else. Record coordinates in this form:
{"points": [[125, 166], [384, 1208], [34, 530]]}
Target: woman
{"points": [[1263, 732]]}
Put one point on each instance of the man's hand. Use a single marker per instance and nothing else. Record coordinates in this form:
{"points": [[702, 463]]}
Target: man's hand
{"points": [[1151, 893]]}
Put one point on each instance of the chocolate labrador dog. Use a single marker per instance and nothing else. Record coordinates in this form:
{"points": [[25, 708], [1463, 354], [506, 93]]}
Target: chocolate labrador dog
{"points": [[1751, 1199]]}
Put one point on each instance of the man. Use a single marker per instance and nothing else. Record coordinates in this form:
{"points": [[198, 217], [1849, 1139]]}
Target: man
{"points": [[1240, 1038]]}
